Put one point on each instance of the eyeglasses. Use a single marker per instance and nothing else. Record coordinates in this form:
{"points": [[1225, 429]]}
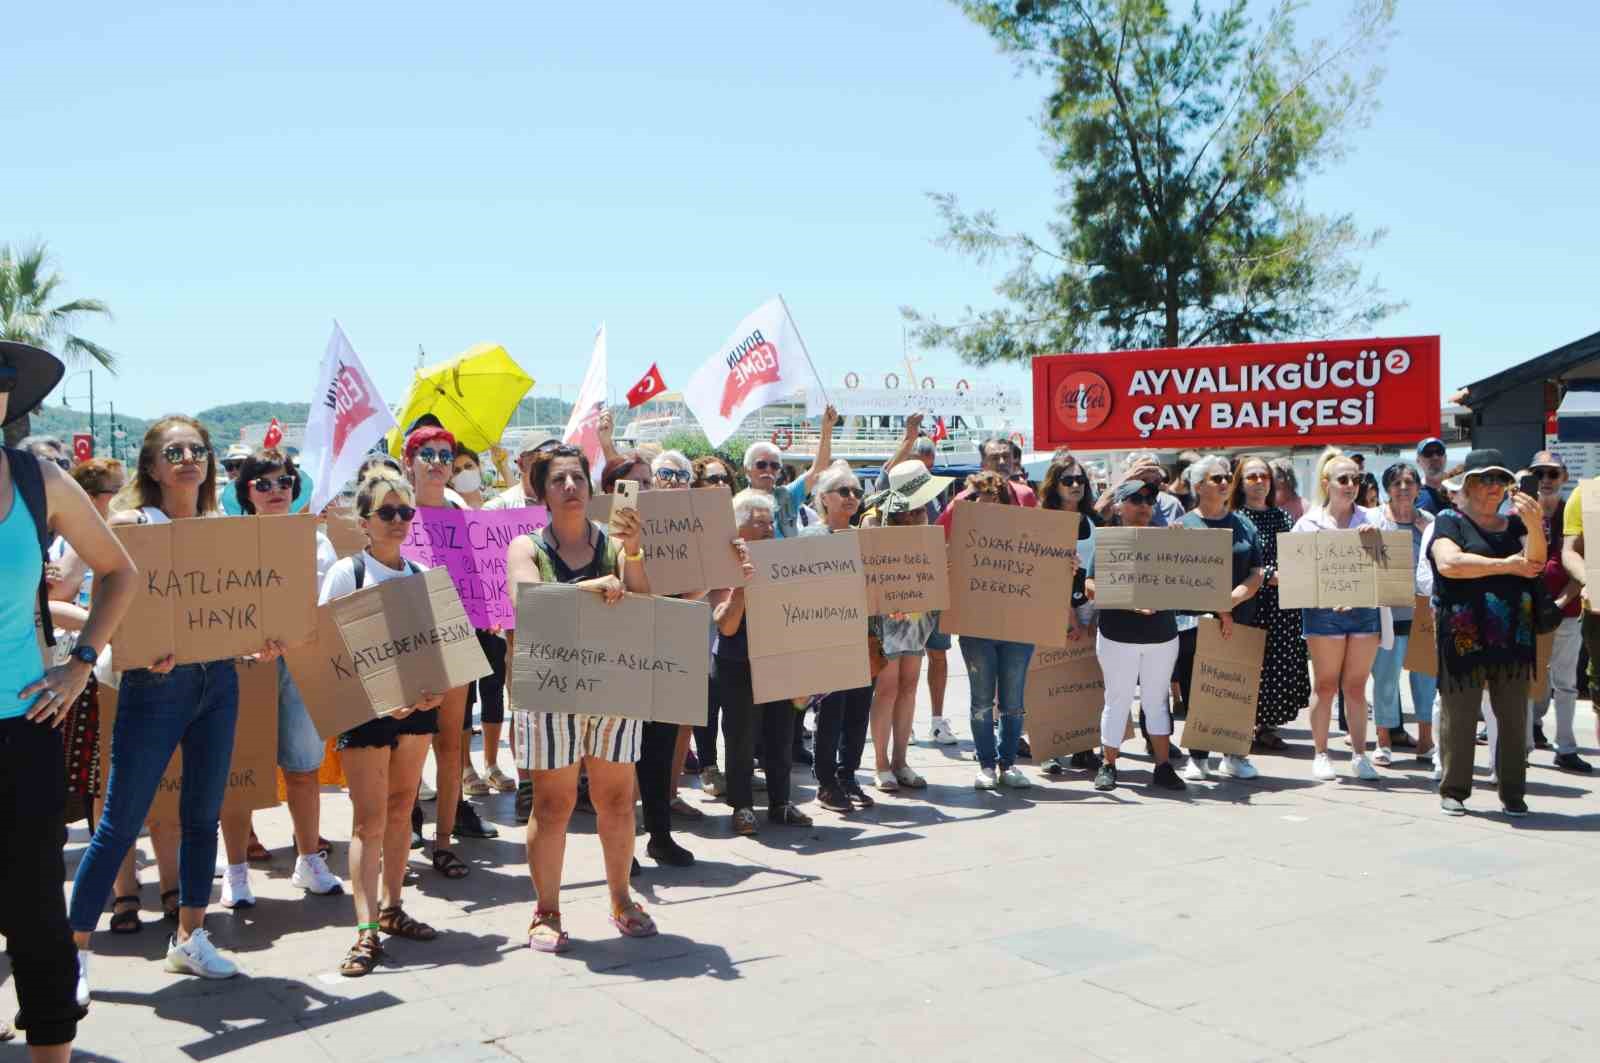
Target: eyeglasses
{"points": [[263, 484], [232, 464], [175, 452], [674, 476], [435, 457], [1345, 480], [1257, 477], [389, 514], [1219, 479], [763, 465], [715, 480], [848, 492], [1069, 481], [1549, 474]]}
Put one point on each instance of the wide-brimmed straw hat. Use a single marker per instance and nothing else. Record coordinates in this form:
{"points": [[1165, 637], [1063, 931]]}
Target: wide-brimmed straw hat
{"points": [[911, 485]]}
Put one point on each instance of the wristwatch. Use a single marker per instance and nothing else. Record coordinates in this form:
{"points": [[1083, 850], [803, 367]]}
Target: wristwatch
{"points": [[86, 653]]}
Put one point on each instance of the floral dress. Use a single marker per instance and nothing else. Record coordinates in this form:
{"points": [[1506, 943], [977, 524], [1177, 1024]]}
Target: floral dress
{"points": [[1285, 676]]}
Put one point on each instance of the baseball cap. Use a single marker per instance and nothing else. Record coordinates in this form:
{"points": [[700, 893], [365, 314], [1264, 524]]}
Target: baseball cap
{"points": [[1431, 441], [1547, 459]]}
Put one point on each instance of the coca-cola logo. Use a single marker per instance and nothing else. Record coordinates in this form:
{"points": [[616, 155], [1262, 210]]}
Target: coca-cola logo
{"points": [[1082, 401]]}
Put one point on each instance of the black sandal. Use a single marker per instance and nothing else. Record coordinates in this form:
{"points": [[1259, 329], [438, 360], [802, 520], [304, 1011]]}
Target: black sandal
{"points": [[363, 956], [449, 864], [395, 921], [1268, 742], [169, 911], [126, 921]]}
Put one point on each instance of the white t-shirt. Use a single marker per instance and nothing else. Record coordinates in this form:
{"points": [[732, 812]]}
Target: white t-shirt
{"points": [[341, 578], [327, 556]]}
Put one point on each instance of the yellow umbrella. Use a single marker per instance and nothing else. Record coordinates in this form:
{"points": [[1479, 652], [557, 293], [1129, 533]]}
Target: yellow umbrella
{"points": [[474, 395]]}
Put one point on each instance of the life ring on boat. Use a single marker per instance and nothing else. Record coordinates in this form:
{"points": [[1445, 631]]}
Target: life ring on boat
{"points": [[782, 438], [852, 380], [891, 376], [1016, 437], [927, 383], [962, 385]]}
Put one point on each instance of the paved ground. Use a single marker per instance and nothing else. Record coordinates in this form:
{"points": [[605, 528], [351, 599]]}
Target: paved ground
{"points": [[1278, 919]]}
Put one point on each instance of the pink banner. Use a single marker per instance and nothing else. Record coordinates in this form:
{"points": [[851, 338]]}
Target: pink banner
{"points": [[471, 546]]}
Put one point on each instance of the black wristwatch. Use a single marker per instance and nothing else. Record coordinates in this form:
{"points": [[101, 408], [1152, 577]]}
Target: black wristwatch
{"points": [[87, 654]]}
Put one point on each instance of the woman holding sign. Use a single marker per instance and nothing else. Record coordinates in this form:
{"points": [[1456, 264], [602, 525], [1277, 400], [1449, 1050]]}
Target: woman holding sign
{"points": [[573, 549], [1343, 642], [1066, 488], [1404, 484], [162, 707], [383, 757]]}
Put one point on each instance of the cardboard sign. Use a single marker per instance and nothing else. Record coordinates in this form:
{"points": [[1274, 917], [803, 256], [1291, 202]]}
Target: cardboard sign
{"points": [[1422, 646], [1012, 575], [1226, 685], [326, 677], [906, 569], [1065, 695], [643, 658], [344, 531], [1164, 568], [471, 546], [806, 616], [213, 588], [253, 770], [686, 537], [408, 638], [1335, 570]]}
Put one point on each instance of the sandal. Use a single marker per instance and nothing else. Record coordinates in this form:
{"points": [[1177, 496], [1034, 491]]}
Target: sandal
{"points": [[684, 810], [256, 853], [634, 922], [362, 957], [1268, 742], [169, 911], [395, 921], [449, 864], [545, 933], [125, 920]]}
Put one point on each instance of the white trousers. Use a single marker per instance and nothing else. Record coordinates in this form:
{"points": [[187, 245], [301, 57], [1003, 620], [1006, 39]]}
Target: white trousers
{"points": [[1126, 665]]}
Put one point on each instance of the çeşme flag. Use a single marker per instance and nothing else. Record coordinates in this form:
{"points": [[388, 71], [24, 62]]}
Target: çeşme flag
{"points": [[764, 360], [649, 386], [581, 427], [348, 418]]}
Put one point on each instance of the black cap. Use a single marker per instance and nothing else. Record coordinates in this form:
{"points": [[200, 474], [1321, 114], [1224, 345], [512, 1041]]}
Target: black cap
{"points": [[36, 373]]}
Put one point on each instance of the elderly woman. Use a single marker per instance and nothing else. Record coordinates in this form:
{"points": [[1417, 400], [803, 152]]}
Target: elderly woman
{"points": [[1211, 484], [1484, 565], [711, 471], [1402, 482], [763, 468], [1343, 642], [554, 746], [1285, 679], [742, 718]]}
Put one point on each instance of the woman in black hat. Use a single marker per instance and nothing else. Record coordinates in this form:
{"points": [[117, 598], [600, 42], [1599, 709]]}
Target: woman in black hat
{"points": [[1484, 566], [38, 500]]}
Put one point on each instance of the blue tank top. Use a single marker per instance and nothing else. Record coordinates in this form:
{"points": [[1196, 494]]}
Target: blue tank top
{"points": [[21, 566]]}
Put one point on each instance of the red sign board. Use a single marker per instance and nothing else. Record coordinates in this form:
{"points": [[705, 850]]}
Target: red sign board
{"points": [[82, 446], [1256, 394]]}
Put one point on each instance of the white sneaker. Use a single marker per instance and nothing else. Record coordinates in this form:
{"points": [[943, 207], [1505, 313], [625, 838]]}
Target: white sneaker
{"points": [[1322, 768], [312, 875], [1382, 757], [1436, 773], [426, 792], [1196, 770], [1238, 767], [887, 782], [985, 779], [236, 887], [907, 777], [199, 956], [1014, 778], [1362, 768], [941, 734], [83, 977]]}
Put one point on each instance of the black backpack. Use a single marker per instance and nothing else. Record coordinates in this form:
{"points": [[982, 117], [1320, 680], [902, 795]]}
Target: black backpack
{"points": [[29, 482], [360, 564]]}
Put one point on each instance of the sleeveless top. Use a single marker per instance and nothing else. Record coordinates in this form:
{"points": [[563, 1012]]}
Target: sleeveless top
{"points": [[607, 553], [21, 567]]}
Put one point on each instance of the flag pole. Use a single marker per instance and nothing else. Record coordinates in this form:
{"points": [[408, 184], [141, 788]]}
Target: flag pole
{"points": [[809, 363]]}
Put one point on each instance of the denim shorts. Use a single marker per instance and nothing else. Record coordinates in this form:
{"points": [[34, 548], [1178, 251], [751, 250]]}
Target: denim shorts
{"points": [[1317, 622], [938, 642], [299, 744]]}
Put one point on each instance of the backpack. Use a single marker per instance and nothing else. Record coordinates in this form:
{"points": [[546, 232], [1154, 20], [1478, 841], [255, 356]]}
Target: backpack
{"points": [[360, 564], [29, 482]]}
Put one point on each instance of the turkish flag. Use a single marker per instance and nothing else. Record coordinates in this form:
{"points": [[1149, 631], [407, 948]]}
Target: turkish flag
{"points": [[82, 446], [648, 387], [939, 430], [274, 435]]}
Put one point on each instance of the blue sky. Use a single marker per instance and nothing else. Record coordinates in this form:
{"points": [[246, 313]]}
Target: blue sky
{"points": [[231, 177]]}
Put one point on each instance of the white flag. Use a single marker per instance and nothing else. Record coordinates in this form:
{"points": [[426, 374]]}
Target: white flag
{"points": [[581, 427], [763, 361], [348, 418]]}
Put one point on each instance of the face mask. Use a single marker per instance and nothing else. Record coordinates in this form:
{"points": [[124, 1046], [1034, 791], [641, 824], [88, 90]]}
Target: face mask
{"points": [[467, 480]]}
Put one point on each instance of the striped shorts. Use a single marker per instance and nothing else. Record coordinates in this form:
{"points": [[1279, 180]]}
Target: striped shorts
{"points": [[550, 741]]}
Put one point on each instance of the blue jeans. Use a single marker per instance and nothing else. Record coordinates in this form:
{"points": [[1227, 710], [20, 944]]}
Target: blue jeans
{"points": [[1386, 709], [996, 667], [194, 706]]}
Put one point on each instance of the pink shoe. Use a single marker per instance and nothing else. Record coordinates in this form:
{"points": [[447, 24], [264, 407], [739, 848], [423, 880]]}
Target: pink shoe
{"points": [[633, 922], [545, 933]]}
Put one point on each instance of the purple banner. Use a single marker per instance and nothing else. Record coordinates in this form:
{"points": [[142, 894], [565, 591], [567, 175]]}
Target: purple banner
{"points": [[471, 546]]}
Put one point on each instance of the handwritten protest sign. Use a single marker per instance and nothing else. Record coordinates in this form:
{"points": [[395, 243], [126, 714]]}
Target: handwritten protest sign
{"points": [[252, 771], [1012, 575], [905, 568], [1335, 570], [1164, 568], [1065, 694], [1226, 684], [325, 675], [686, 537], [643, 658], [1422, 647], [471, 546], [211, 588], [806, 616]]}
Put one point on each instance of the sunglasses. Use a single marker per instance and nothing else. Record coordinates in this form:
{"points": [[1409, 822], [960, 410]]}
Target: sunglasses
{"points": [[715, 480], [176, 452], [263, 484], [389, 514], [1069, 481], [1549, 474], [1345, 480], [1433, 452], [674, 476], [762, 465], [435, 457], [848, 492], [233, 464], [1219, 479], [1143, 498], [1496, 480], [1257, 477]]}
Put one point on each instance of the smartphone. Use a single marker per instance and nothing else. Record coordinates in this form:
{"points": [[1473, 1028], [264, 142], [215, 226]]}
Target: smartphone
{"points": [[624, 496], [1529, 485]]}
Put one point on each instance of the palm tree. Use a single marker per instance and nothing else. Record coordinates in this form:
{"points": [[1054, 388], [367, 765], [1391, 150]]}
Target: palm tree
{"points": [[28, 283]]}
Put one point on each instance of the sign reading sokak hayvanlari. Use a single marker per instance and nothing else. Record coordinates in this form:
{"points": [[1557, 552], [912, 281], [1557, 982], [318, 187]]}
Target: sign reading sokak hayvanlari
{"points": [[1255, 394]]}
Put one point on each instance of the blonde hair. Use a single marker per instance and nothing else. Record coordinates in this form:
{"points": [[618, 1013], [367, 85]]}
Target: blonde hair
{"points": [[1329, 456], [379, 483]]}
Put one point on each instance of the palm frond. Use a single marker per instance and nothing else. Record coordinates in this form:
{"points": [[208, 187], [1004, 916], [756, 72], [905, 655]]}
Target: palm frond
{"points": [[78, 347]]}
